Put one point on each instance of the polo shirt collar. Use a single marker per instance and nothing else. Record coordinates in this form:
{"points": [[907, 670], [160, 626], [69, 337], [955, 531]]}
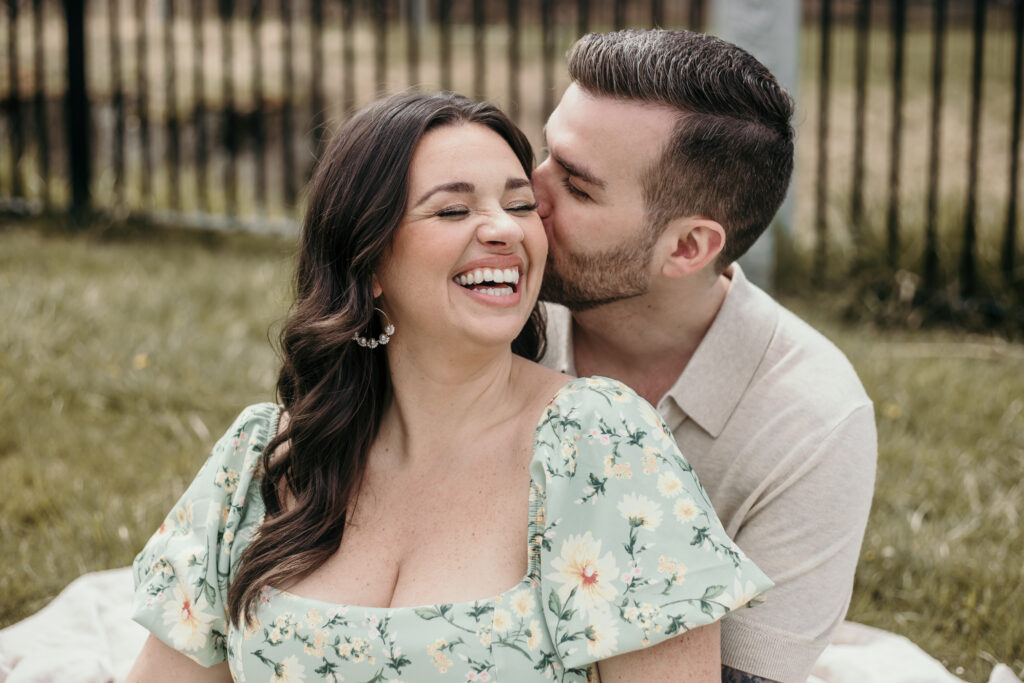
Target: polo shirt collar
{"points": [[718, 374]]}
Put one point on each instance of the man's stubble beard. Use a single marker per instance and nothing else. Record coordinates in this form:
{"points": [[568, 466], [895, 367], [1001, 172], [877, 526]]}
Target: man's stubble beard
{"points": [[581, 282]]}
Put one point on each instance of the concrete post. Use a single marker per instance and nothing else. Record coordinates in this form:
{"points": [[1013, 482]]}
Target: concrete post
{"points": [[769, 30]]}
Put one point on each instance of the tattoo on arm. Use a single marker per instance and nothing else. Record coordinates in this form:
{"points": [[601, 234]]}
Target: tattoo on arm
{"points": [[730, 675]]}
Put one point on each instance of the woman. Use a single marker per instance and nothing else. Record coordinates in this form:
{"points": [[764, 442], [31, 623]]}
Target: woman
{"points": [[490, 518]]}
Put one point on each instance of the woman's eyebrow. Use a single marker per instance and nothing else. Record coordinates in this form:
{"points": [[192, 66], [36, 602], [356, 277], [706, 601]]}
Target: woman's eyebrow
{"points": [[458, 186], [516, 183]]}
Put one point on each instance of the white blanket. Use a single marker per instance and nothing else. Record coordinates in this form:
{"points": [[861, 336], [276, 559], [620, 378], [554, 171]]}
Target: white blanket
{"points": [[86, 636]]}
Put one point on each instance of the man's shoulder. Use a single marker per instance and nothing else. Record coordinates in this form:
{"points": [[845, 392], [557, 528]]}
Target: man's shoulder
{"points": [[558, 325], [801, 366], [815, 353]]}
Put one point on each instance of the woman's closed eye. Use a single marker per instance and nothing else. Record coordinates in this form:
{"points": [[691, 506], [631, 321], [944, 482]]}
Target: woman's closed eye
{"points": [[522, 207], [455, 211]]}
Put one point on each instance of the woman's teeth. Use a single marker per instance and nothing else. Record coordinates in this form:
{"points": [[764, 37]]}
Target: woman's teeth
{"points": [[505, 278], [494, 291], [496, 276]]}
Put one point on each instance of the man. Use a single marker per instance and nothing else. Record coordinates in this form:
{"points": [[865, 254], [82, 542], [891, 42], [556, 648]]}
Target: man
{"points": [[669, 154]]}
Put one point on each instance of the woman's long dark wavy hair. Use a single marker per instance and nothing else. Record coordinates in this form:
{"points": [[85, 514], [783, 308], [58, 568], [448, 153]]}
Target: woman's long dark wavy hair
{"points": [[334, 391]]}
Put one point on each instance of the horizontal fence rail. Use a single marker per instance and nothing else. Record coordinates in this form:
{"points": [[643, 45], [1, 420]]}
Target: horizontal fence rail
{"points": [[212, 113]]}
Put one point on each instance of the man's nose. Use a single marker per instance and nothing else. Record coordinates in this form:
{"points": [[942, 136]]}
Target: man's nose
{"points": [[539, 178]]}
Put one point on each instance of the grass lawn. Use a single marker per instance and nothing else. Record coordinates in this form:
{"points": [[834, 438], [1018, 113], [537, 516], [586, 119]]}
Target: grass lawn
{"points": [[122, 360]]}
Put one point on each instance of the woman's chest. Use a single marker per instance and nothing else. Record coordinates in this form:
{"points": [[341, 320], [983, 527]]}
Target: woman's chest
{"points": [[499, 639], [435, 538]]}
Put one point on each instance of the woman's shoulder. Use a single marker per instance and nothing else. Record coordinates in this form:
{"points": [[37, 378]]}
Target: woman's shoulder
{"points": [[599, 426], [243, 443], [591, 402], [596, 386], [186, 565], [629, 550], [257, 423]]}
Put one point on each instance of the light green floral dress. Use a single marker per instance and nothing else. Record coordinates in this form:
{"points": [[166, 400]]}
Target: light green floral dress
{"points": [[625, 551]]}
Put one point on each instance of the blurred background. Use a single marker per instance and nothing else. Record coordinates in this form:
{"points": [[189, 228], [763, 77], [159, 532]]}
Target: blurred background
{"points": [[153, 158]]}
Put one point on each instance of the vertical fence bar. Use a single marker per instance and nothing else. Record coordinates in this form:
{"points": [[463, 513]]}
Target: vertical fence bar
{"points": [[547, 29], [380, 46], [445, 19], [860, 87], [1010, 235], [582, 17], [199, 105], [171, 108], [479, 56], [899, 31], [142, 101], [117, 94], [696, 15], [348, 56], [17, 136], [513, 59], [657, 13], [317, 59], [77, 108], [821, 198], [229, 117], [40, 107], [260, 104], [931, 236], [619, 14], [291, 190], [413, 21], [968, 263]]}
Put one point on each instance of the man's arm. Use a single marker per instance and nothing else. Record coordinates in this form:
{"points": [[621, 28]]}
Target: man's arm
{"points": [[730, 675], [805, 531]]}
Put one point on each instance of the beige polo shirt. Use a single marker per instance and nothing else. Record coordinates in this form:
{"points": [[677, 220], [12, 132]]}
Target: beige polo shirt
{"points": [[782, 435]]}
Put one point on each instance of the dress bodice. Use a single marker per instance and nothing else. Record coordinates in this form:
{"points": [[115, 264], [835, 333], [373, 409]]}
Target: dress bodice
{"points": [[625, 551]]}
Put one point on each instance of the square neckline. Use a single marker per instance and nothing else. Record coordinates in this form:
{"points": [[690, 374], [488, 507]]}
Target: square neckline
{"points": [[524, 582]]}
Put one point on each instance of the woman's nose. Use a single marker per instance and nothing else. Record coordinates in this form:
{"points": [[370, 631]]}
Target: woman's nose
{"points": [[500, 228]]}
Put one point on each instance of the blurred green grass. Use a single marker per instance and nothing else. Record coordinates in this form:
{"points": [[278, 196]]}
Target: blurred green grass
{"points": [[124, 356]]}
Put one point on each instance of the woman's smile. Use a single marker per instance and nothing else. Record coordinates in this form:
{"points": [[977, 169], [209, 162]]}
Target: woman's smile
{"points": [[495, 281]]}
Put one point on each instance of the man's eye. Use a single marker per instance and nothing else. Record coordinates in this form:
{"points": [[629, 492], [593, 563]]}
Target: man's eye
{"points": [[575, 191]]}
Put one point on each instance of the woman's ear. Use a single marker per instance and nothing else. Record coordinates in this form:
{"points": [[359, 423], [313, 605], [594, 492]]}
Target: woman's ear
{"points": [[377, 289], [692, 244]]}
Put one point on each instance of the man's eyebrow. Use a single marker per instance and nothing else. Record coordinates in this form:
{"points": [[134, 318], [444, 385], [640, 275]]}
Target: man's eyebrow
{"points": [[578, 171], [457, 186]]}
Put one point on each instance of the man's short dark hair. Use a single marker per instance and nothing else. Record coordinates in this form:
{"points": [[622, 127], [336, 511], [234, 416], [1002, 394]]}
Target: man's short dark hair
{"points": [[730, 156]]}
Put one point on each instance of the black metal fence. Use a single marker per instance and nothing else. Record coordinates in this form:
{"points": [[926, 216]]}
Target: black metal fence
{"points": [[212, 112], [947, 215]]}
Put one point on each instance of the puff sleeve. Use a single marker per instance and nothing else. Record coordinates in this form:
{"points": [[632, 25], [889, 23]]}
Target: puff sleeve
{"points": [[630, 549], [182, 574]]}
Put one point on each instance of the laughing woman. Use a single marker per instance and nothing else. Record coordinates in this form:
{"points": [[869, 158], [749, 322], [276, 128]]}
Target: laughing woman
{"points": [[428, 503]]}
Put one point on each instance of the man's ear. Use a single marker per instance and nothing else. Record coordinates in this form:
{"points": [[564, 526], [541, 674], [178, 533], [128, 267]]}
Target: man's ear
{"points": [[691, 244]]}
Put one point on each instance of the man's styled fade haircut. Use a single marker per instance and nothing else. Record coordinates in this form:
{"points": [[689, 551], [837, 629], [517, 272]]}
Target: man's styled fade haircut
{"points": [[730, 156]]}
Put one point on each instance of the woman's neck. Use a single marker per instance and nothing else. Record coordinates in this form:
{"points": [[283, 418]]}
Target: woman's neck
{"points": [[445, 398]]}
